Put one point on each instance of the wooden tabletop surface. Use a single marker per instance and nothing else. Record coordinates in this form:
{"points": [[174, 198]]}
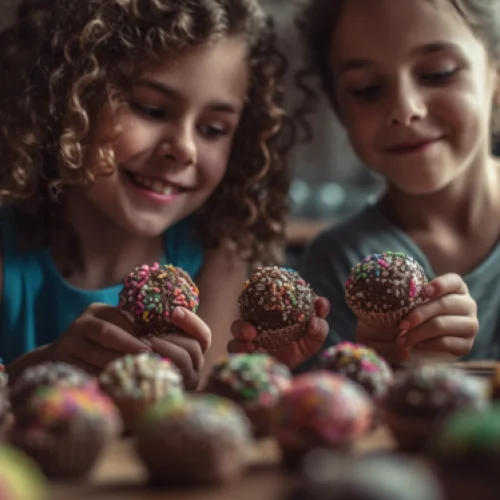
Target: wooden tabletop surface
{"points": [[120, 476]]}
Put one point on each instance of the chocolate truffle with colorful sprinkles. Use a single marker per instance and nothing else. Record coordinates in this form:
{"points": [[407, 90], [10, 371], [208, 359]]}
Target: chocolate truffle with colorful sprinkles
{"points": [[255, 382], [361, 364], [385, 287], [279, 303], [150, 295]]}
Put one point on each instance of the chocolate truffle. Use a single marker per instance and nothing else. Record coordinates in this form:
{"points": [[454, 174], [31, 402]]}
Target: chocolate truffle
{"points": [[150, 295], [197, 440], [48, 374], [321, 410], [383, 288], [138, 382], [255, 382], [419, 399], [65, 429], [279, 303], [361, 364]]}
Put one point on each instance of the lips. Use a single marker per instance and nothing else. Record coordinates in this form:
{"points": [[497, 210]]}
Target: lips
{"points": [[410, 146], [155, 184]]}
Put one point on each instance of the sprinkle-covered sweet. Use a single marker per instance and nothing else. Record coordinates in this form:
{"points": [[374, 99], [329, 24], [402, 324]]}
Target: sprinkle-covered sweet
{"points": [[361, 364], [432, 391], [151, 293], [279, 303], [3, 376], [47, 374], [322, 409], [199, 439], [384, 283], [250, 378], [140, 376]]}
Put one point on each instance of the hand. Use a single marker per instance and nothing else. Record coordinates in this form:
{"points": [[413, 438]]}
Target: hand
{"points": [[444, 325], [186, 348], [98, 336], [245, 334]]}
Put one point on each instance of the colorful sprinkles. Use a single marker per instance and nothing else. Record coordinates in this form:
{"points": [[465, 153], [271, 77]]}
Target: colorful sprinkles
{"points": [[151, 293], [322, 409], [250, 378], [385, 282], [361, 364]]}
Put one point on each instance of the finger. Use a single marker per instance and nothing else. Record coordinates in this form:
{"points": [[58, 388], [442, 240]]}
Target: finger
{"points": [[236, 346], [322, 307], [191, 346], [389, 351], [243, 330], [192, 325], [180, 357], [365, 333], [450, 305], [90, 369], [439, 326], [454, 346], [446, 284], [314, 339], [111, 315], [109, 335]]}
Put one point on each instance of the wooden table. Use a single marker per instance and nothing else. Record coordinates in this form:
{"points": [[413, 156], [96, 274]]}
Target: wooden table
{"points": [[120, 476]]}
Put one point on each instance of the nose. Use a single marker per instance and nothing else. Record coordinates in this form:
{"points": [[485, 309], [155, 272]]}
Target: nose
{"points": [[406, 105], [178, 147]]}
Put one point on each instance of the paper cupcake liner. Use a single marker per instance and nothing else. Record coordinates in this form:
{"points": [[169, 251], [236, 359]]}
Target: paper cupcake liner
{"points": [[275, 340], [293, 456], [382, 320], [411, 433], [261, 418], [68, 457], [132, 411]]}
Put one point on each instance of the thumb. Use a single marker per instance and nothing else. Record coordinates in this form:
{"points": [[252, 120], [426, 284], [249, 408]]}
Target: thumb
{"points": [[314, 339]]}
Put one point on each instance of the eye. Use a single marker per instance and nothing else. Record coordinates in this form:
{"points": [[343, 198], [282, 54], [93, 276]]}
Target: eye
{"points": [[439, 76], [152, 112], [213, 131], [367, 93]]}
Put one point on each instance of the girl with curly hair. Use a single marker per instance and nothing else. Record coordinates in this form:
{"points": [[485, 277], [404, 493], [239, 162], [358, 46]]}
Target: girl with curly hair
{"points": [[134, 131]]}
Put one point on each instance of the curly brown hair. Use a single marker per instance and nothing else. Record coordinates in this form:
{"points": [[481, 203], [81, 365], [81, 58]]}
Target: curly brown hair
{"points": [[65, 58], [318, 20]]}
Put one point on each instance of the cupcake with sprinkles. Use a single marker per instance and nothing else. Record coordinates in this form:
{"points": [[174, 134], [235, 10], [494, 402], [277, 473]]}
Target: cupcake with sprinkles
{"points": [[3, 376], [422, 398], [321, 410], [385, 287], [65, 429], [198, 440], [150, 295], [255, 382], [48, 374], [279, 303], [466, 450], [137, 382], [362, 365]]}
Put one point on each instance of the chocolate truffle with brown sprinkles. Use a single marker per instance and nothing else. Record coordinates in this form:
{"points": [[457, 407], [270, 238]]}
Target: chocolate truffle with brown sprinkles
{"points": [[279, 303], [385, 287]]}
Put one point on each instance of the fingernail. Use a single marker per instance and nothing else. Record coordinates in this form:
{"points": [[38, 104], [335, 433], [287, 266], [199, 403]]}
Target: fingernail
{"points": [[430, 291], [179, 313], [405, 325]]}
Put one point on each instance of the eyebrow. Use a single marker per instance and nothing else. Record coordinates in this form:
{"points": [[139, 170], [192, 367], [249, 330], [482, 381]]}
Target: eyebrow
{"points": [[224, 107], [424, 49]]}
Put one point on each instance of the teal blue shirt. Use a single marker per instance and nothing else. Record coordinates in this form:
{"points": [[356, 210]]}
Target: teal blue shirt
{"points": [[38, 304]]}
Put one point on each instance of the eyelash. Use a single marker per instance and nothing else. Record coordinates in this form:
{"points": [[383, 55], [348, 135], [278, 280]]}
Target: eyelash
{"points": [[209, 131], [371, 92]]}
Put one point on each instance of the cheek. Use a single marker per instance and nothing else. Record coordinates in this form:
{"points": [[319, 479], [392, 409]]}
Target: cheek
{"points": [[214, 163], [361, 126]]}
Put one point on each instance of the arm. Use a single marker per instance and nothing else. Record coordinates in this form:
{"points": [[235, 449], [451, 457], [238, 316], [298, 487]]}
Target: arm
{"points": [[220, 283]]}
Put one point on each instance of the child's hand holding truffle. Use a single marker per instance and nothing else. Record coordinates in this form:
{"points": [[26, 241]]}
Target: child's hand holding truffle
{"points": [[280, 314]]}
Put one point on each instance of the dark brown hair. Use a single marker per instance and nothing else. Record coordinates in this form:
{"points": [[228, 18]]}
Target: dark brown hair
{"points": [[318, 20], [65, 58]]}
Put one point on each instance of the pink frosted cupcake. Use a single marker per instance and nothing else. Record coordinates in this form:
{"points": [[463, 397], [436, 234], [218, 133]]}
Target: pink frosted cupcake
{"points": [[65, 430], [383, 288], [321, 410]]}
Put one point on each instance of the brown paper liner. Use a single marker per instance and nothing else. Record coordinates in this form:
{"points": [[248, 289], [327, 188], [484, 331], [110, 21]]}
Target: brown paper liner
{"points": [[293, 457], [261, 418], [381, 320], [275, 340], [411, 433], [63, 457]]}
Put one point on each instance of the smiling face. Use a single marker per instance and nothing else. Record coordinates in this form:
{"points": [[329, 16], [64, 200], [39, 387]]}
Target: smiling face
{"points": [[175, 136], [414, 88]]}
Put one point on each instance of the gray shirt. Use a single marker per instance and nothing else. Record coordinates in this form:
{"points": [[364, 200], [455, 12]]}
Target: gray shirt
{"points": [[330, 257]]}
